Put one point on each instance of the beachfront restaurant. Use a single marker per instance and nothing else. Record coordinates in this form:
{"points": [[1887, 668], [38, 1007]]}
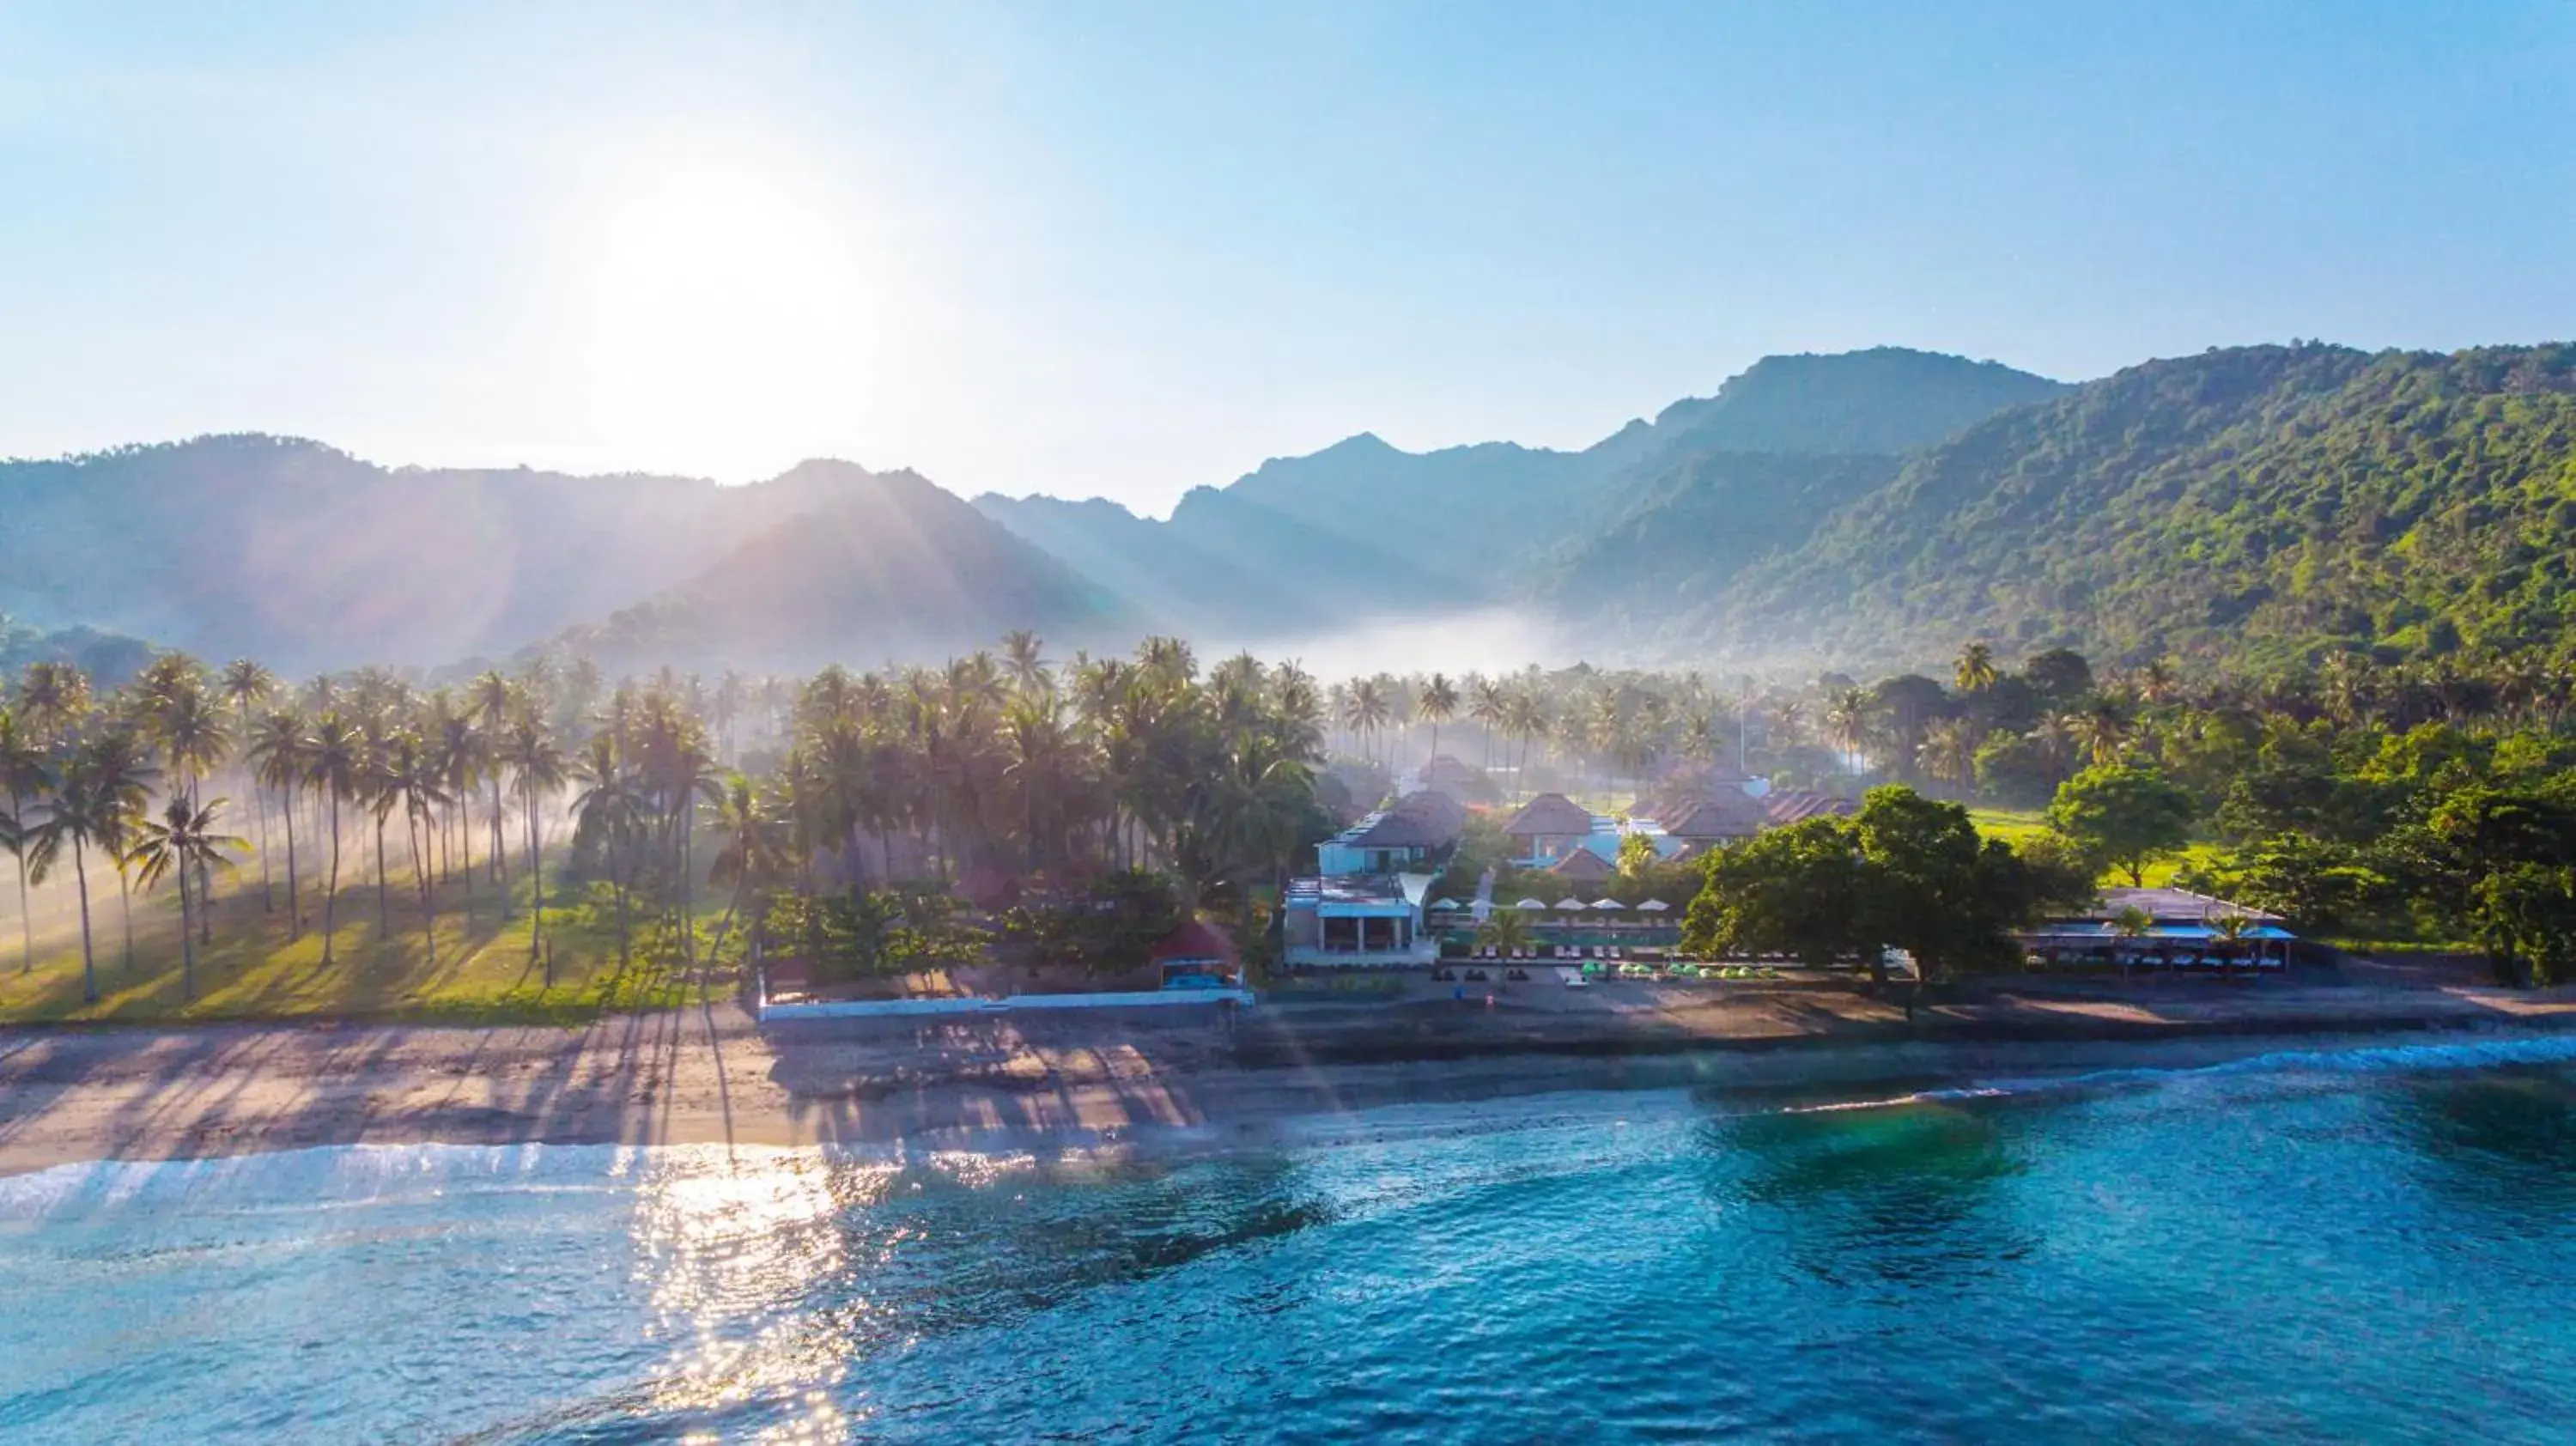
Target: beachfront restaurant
{"points": [[2183, 932], [1357, 921]]}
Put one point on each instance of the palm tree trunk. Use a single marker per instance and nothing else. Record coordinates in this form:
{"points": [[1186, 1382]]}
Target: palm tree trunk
{"points": [[187, 944], [267, 899], [465, 837], [26, 921], [89, 961], [536, 884], [331, 895], [500, 856], [420, 875], [294, 895], [384, 911], [125, 908]]}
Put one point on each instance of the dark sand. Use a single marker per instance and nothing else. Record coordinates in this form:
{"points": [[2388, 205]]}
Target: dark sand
{"points": [[711, 1074]]}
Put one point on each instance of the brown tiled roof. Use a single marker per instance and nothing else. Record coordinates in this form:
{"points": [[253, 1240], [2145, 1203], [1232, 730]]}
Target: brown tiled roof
{"points": [[1738, 817], [1582, 864], [1418, 820], [1550, 814], [1797, 805]]}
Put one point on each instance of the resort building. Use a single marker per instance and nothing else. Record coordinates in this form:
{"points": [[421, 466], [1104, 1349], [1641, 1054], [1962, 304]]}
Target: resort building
{"points": [[1556, 834], [1357, 921], [1416, 833], [1706, 823], [2182, 930], [1797, 805]]}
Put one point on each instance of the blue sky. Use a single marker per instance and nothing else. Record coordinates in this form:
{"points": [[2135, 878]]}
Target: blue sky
{"points": [[1125, 249]]}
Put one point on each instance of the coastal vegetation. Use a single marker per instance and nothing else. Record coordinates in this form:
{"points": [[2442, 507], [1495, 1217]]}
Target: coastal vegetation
{"points": [[549, 839]]}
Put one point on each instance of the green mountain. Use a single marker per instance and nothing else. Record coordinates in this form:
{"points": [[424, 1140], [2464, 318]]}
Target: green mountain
{"points": [[311, 558], [1681, 535], [1884, 400], [2247, 504], [889, 567], [1364, 529]]}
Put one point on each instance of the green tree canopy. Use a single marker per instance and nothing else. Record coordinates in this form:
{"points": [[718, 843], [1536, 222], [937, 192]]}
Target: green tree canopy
{"points": [[1906, 872], [2126, 815]]}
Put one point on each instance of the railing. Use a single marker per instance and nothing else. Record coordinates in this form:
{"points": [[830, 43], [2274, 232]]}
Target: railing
{"points": [[1420, 955]]}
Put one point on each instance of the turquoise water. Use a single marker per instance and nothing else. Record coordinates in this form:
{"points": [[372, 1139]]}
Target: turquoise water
{"points": [[2373, 1246]]}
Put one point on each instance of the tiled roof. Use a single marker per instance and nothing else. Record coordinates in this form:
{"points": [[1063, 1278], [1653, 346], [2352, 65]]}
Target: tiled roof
{"points": [[1418, 820], [1550, 814], [1797, 805], [1582, 864], [1718, 818]]}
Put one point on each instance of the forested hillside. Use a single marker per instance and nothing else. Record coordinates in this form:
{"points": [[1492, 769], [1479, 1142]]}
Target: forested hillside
{"points": [[892, 567], [298, 552], [2244, 505], [1319, 540]]}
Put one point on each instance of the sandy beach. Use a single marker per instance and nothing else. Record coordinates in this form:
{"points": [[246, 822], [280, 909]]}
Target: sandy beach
{"points": [[712, 1074]]}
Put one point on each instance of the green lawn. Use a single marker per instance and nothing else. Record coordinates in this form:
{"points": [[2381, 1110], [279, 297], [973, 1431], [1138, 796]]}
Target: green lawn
{"points": [[2019, 825], [479, 970], [2012, 825]]}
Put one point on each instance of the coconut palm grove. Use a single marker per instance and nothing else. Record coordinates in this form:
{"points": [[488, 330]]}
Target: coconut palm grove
{"points": [[548, 839]]}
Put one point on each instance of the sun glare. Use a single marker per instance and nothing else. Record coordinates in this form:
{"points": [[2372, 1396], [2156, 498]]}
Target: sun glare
{"points": [[724, 301]]}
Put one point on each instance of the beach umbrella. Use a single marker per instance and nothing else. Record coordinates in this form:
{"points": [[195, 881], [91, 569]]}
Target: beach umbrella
{"points": [[1529, 904], [1572, 904], [1608, 904], [1654, 906], [1443, 904]]}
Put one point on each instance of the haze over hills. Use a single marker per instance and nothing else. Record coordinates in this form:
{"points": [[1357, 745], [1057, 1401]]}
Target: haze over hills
{"points": [[887, 565], [305, 555], [1364, 528], [1874, 507]]}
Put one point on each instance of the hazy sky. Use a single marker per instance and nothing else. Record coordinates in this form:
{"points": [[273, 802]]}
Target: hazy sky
{"points": [[1125, 249]]}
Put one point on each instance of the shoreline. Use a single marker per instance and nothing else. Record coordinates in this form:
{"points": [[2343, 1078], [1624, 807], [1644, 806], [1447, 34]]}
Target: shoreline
{"points": [[711, 1075]]}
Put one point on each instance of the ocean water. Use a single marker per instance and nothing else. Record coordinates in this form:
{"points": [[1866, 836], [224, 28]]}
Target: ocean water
{"points": [[2372, 1246]]}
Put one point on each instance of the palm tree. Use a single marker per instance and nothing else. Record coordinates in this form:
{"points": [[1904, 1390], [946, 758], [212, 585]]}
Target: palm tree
{"points": [[334, 757], [1367, 711], [247, 684], [122, 777], [1437, 704], [1949, 751], [188, 724], [1023, 654], [464, 755], [2130, 925], [1504, 931], [530, 751], [1975, 672], [184, 841], [1486, 702], [756, 853], [2230, 929], [2102, 728], [275, 751], [1524, 718], [607, 809], [94, 798], [1847, 723], [408, 778], [23, 775], [493, 700], [1789, 722], [53, 698]]}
